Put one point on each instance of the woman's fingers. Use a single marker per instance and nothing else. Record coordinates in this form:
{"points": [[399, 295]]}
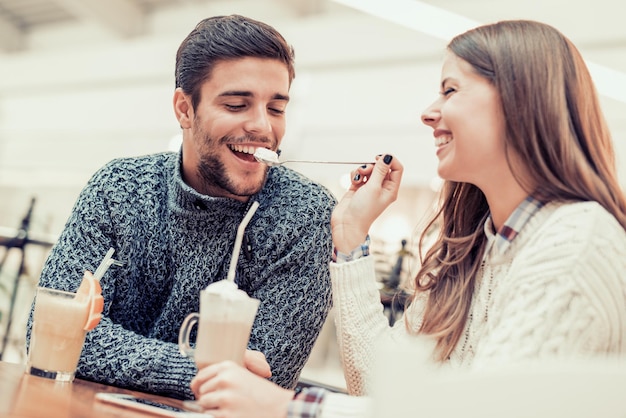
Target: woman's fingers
{"points": [[374, 187], [361, 174], [382, 178], [203, 375], [211, 379], [383, 167], [228, 390], [392, 180], [256, 362], [209, 400]]}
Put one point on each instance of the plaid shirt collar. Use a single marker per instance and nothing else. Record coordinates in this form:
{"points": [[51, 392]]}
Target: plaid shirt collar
{"points": [[513, 225]]}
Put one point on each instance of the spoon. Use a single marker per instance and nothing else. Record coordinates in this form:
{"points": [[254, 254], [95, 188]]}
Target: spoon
{"points": [[265, 156]]}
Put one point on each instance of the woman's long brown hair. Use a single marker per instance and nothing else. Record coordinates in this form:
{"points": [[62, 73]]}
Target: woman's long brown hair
{"points": [[554, 126]]}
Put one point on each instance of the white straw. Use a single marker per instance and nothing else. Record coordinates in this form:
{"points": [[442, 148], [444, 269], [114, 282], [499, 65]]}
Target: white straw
{"points": [[242, 226], [104, 265]]}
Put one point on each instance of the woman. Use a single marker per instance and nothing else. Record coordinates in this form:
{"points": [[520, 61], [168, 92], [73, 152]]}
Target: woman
{"points": [[530, 260]]}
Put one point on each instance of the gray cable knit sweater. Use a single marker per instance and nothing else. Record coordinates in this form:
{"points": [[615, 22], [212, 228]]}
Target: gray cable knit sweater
{"points": [[175, 242]]}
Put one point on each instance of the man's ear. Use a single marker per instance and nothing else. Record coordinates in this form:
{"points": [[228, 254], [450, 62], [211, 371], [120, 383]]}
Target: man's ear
{"points": [[183, 108]]}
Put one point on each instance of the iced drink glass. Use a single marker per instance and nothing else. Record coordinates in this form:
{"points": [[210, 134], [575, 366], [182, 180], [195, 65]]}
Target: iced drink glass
{"points": [[224, 324], [57, 335]]}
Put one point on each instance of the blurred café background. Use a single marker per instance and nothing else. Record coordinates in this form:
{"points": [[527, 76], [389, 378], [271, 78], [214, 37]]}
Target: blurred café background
{"points": [[86, 81]]}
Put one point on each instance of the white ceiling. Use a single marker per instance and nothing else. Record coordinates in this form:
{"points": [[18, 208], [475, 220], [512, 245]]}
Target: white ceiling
{"points": [[361, 82]]}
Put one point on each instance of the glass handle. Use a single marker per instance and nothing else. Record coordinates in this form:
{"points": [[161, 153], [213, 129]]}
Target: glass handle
{"points": [[183, 335]]}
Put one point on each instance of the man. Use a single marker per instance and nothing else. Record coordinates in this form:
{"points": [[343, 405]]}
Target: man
{"points": [[172, 219]]}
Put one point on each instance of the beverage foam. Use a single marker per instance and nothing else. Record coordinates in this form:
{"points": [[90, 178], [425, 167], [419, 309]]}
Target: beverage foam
{"points": [[227, 289]]}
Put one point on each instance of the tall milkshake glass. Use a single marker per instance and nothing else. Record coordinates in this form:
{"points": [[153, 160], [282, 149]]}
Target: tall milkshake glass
{"points": [[58, 334], [61, 321], [224, 323]]}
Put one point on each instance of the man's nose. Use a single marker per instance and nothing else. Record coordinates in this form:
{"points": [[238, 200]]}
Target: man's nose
{"points": [[258, 122]]}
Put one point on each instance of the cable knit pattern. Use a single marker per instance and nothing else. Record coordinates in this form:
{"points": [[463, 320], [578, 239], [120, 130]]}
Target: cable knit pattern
{"points": [[175, 242], [558, 290]]}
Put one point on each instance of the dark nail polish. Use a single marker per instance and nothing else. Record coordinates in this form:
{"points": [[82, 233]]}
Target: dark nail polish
{"points": [[387, 159], [364, 166], [357, 177]]}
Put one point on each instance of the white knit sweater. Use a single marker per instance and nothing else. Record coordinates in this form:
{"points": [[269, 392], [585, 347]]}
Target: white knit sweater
{"points": [[558, 290]]}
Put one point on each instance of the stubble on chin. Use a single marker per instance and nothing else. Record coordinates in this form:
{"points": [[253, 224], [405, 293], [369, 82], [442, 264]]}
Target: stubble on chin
{"points": [[216, 181]]}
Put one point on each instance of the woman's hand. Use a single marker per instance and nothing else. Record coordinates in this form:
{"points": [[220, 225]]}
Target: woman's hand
{"points": [[374, 187], [256, 362], [227, 390]]}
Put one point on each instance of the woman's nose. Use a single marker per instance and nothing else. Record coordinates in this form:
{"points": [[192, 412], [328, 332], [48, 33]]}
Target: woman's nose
{"points": [[431, 115]]}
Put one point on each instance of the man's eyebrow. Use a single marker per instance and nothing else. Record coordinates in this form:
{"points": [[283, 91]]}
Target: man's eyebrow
{"points": [[278, 96], [243, 93], [236, 93]]}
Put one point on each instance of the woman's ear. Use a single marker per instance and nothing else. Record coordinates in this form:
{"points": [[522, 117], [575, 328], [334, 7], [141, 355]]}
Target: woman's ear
{"points": [[183, 108]]}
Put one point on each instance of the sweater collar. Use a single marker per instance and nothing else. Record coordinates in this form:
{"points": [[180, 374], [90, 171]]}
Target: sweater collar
{"points": [[185, 197]]}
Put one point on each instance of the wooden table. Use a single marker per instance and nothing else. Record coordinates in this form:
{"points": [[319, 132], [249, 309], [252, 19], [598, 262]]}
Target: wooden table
{"points": [[26, 396]]}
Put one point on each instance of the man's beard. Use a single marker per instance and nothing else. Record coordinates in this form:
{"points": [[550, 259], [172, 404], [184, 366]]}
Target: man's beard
{"points": [[213, 174]]}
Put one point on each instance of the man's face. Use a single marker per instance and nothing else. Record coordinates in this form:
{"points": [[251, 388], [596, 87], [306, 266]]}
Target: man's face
{"points": [[242, 107]]}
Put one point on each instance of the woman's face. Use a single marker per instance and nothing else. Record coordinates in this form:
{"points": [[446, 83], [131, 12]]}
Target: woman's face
{"points": [[468, 126]]}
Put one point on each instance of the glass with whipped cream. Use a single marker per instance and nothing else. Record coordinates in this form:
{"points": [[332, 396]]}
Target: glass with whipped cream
{"points": [[224, 324]]}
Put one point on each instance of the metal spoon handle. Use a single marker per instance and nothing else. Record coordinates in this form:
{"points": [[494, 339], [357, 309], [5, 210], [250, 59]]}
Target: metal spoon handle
{"points": [[325, 162]]}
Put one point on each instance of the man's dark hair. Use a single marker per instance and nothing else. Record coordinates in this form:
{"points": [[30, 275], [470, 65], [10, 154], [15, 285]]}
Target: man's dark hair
{"points": [[221, 38]]}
